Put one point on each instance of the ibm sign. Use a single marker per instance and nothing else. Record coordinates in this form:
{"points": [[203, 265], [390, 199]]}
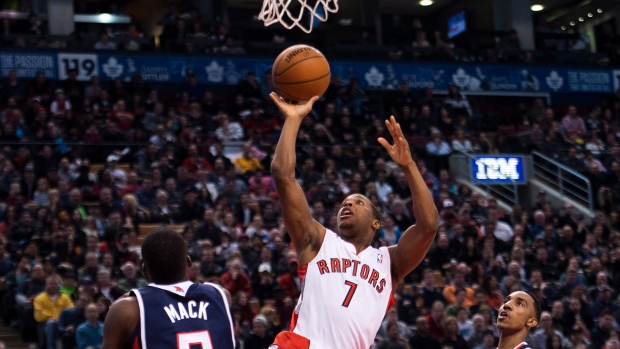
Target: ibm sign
{"points": [[490, 169]]}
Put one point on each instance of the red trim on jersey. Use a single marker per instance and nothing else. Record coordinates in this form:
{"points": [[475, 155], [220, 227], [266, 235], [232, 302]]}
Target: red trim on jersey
{"points": [[392, 301], [136, 343], [290, 340], [301, 272]]}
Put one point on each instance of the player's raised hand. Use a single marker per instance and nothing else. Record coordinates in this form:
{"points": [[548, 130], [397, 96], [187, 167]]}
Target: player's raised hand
{"points": [[400, 152], [293, 110]]}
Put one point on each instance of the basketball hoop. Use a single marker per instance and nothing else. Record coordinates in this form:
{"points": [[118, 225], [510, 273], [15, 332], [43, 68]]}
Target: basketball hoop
{"points": [[277, 11]]}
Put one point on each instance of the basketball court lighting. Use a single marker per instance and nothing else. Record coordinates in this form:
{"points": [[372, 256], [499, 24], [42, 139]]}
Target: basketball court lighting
{"points": [[590, 15], [580, 19], [572, 23], [426, 2], [537, 7], [105, 18], [600, 10], [563, 27]]}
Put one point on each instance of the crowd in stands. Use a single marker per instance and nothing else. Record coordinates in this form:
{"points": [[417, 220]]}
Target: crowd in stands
{"points": [[85, 166], [185, 29]]}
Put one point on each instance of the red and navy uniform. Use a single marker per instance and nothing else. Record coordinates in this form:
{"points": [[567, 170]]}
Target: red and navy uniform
{"points": [[183, 316]]}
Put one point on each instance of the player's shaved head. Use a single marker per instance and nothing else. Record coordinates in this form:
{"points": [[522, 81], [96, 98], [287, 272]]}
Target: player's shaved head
{"points": [[164, 256]]}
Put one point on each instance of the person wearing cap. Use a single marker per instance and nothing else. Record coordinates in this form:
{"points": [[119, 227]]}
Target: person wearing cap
{"points": [[250, 257], [60, 105], [190, 210], [290, 282], [541, 201], [577, 337], [259, 338], [264, 285], [118, 175], [70, 319], [604, 300]]}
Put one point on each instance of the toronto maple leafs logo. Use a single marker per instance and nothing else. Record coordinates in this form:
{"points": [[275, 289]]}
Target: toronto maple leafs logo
{"points": [[215, 72], [555, 81], [374, 77], [112, 68]]}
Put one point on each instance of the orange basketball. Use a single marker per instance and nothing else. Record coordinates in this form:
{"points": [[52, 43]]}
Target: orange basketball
{"points": [[300, 72]]}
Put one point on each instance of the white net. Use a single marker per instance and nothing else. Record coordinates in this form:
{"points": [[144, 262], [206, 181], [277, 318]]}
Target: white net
{"points": [[300, 13]]}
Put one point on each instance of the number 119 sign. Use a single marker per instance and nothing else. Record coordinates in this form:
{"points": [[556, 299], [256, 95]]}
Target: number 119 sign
{"points": [[85, 64]]}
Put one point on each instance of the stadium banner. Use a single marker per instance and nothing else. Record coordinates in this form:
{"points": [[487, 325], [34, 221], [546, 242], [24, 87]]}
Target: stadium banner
{"points": [[229, 70], [498, 169], [469, 77], [27, 64], [85, 64]]}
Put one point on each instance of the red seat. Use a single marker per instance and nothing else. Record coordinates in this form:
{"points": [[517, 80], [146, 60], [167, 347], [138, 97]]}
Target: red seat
{"points": [[507, 130], [417, 141]]}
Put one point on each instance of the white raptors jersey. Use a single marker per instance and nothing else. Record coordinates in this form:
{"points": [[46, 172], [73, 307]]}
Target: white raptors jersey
{"points": [[344, 295]]}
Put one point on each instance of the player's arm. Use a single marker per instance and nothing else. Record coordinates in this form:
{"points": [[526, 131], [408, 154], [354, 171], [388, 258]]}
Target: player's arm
{"points": [[306, 234], [416, 240], [120, 323]]}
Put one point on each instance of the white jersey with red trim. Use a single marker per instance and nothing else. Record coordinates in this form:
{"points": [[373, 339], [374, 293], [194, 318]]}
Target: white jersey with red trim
{"points": [[344, 295]]}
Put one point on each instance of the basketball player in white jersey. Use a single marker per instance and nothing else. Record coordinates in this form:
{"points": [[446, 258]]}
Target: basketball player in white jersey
{"points": [[519, 313], [346, 283]]}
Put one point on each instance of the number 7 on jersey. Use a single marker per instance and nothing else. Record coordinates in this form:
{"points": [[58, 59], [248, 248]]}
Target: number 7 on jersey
{"points": [[352, 287]]}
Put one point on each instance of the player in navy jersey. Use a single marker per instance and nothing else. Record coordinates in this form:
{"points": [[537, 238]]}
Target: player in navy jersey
{"points": [[171, 312], [519, 313]]}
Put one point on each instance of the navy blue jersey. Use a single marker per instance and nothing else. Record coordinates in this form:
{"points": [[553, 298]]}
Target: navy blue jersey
{"points": [[183, 316]]}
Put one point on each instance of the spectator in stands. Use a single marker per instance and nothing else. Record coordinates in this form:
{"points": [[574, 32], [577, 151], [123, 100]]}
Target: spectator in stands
{"points": [[457, 102], [104, 42], [60, 104], [502, 231], [228, 131], [247, 161], [230, 47], [90, 333], [235, 280], [458, 283], [573, 123], [70, 319], [130, 278], [435, 319], [423, 339], [48, 306], [438, 150], [460, 143], [511, 46]]}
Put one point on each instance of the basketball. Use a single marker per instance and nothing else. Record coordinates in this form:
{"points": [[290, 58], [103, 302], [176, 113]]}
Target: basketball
{"points": [[299, 73]]}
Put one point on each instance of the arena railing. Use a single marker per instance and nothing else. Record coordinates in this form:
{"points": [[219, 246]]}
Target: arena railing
{"points": [[566, 181]]}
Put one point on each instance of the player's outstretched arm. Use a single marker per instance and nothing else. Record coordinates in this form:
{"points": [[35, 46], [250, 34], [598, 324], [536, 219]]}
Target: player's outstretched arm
{"points": [[306, 234], [416, 240], [120, 323]]}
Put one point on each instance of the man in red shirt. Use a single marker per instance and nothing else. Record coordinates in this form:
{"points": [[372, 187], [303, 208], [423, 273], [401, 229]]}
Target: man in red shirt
{"points": [[122, 118], [194, 162], [434, 320]]}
